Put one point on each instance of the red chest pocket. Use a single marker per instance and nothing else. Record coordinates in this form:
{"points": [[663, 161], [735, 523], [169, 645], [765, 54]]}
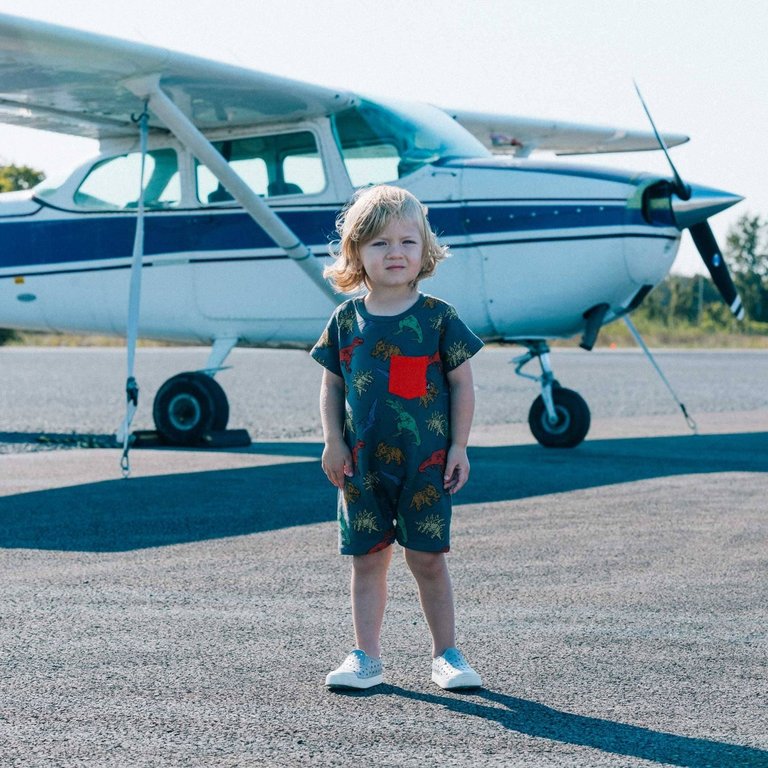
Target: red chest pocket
{"points": [[408, 376]]}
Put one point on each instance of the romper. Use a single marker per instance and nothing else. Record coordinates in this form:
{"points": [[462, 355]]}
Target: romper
{"points": [[397, 403]]}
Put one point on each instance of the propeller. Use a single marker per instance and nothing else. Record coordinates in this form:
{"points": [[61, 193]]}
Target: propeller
{"points": [[691, 210], [706, 244]]}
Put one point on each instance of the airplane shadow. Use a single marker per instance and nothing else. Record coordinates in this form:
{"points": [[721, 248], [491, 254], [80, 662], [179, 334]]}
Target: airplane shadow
{"points": [[512, 472], [533, 719], [121, 515]]}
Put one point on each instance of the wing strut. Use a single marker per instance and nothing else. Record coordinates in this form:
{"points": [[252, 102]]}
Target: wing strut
{"points": [[134, 300], [188, 134]]}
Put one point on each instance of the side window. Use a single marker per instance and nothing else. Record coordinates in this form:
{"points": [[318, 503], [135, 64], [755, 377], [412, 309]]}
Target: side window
{"points": [[113, 184], [282, 164]]}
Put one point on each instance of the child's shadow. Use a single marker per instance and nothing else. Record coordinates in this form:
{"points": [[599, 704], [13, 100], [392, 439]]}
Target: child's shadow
{"points": [[534, 719]]}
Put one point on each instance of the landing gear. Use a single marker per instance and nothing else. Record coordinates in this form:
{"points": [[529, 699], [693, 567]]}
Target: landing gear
{"points": [[189, 406], [559, 417], [571, 419]]}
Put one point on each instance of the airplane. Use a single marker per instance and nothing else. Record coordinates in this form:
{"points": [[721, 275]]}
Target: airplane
{"points": [[214, 194]]}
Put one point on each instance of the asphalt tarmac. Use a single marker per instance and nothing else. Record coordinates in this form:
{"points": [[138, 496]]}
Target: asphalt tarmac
{"points": [[613, 596]]}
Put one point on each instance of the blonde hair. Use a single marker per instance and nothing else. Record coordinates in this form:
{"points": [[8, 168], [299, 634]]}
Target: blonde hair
{"points": [[364, 217]]}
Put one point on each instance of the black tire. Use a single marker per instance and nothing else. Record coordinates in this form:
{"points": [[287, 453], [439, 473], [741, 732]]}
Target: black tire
{"points": [[218, 398], [572, 419], [183, 410]]}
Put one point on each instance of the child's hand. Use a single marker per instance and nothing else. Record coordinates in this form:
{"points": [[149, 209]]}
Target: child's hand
{"points": [[337, 462], [456, 469]]}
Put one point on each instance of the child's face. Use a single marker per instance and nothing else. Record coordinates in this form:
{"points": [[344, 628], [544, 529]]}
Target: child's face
{"points": [[393, 258]]}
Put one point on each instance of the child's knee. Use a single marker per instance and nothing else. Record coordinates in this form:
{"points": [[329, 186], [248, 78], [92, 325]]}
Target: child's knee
{"points": [[429, 565], [372, 563]]}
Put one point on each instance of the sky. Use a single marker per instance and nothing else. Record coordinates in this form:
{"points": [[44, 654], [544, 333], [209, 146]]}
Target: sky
{"points": [[701, 65]]}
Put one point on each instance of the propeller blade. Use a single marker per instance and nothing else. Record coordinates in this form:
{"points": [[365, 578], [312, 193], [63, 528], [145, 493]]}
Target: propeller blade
{"points": [[706, 244], [682, 190], [693, 216]]}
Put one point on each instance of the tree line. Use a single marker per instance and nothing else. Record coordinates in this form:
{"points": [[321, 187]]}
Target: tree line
{"points": [[15, 177], [678, 300]]}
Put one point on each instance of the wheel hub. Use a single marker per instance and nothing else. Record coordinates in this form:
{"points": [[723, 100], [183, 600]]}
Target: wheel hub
{"points": [[184, 412], [561, 425]]}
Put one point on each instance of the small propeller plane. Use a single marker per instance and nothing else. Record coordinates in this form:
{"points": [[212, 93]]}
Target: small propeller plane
{"points": [[237, 186]]}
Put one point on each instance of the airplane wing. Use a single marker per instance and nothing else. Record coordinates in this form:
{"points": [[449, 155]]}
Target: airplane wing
{"points": [[509, 135], [68, 81]]}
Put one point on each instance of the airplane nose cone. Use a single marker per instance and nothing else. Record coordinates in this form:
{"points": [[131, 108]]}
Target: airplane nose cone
{"points": [[703, 203]]}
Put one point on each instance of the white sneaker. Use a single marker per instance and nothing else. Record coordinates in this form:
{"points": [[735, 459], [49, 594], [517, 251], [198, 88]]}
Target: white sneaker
{"points": [[358, 670], [451, 670]]}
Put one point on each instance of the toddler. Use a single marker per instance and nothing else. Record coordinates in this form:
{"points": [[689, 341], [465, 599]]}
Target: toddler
{"points": [[396, 404]]}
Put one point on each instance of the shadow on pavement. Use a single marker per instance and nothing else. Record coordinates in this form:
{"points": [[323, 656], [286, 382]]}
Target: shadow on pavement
{"points": [[511, 472], [532, 719], [120, 515]]}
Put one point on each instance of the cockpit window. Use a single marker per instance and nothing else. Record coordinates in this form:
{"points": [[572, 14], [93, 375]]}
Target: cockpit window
{"points": [[113, 184], [386, 141], [280, 164]]}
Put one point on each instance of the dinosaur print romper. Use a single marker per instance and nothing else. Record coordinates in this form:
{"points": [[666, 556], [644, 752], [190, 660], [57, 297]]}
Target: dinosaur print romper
{"points": [[397, 420]]}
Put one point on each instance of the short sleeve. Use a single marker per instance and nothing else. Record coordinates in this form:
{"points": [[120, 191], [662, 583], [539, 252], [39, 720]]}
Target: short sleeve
{"points": [[457, 342], [326, 350]]}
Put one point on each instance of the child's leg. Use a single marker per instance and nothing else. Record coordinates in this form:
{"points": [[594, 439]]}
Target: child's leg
{"points": [[430, 570], [369, 599]]}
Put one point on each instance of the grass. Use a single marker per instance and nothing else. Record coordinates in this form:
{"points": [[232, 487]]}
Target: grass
{"points": [[44, 339], [749, 335]]}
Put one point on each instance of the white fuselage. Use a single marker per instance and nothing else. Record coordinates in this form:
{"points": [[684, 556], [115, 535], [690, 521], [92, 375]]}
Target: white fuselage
{"points": [[534, 246]]}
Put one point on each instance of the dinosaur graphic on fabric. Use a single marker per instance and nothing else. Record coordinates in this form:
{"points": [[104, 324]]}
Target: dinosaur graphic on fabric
{"points": [[405, 421], [410, 323]]}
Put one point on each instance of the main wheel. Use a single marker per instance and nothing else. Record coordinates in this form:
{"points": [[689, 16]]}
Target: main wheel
{"points": [[572, 422], [218, 398], [183, 410]]}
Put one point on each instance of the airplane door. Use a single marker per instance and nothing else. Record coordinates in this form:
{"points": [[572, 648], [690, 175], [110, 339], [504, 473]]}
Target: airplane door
{"points": [[241, 275], [248, 285]]}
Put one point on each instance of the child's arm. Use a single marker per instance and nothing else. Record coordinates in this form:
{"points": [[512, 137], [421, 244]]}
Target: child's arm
{"points": [[337, 459], [462, 411]]}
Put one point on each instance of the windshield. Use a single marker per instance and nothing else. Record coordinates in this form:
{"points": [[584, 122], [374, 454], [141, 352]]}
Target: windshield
{"points": [[388, 140]]}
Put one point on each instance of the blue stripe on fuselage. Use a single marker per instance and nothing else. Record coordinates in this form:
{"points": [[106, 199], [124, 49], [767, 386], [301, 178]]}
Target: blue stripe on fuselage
{"points": [[489, 219], [106, 237], [96, 237]]}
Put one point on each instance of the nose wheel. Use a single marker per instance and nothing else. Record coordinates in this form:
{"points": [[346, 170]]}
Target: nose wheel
{"points": [[189, 406], [559, 417], [571, 422]]}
